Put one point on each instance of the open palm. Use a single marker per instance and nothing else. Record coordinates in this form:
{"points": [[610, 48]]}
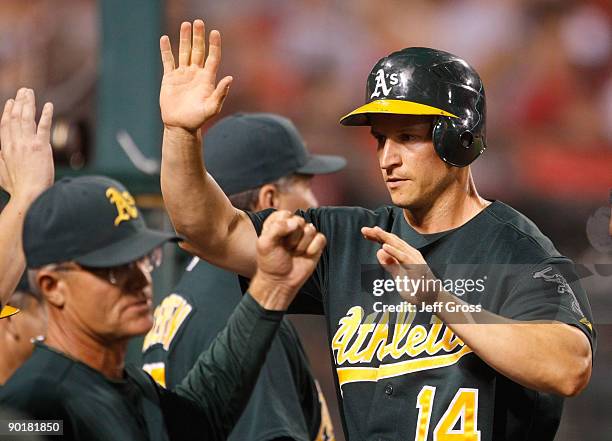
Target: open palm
{"points": [[189, 94]]}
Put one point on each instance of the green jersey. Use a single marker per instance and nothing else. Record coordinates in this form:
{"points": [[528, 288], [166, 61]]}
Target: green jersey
{"points": [[403, 374], [285, 401], [52, 386]]}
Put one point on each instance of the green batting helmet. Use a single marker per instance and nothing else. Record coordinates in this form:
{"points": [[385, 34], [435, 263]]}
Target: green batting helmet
{"points": [[424, 81]]}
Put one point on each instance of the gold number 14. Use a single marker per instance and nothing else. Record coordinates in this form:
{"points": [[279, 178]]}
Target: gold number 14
{"points": [[463, 407]]}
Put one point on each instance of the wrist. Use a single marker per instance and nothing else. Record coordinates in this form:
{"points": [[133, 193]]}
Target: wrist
{"points": [[271, 294], [23, 199], [182, 132]]}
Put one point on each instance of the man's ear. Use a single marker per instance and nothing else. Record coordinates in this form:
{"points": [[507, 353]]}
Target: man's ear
{"points": [[268, 197], [51, 287]]}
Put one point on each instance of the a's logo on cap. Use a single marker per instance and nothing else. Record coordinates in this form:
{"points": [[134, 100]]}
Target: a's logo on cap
{"points": [[381, 83], [126, 206]]}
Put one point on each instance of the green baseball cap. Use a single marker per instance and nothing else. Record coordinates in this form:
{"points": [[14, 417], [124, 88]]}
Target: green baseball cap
{"points": [[247, 150], [90, 220]]}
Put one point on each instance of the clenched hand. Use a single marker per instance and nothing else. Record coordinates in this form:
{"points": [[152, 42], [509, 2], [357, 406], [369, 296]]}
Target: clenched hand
{"points": [[288, 251]]}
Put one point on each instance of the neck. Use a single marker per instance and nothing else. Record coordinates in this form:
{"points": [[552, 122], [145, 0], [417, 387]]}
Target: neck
{"points": [[8, 365], [14, 351], [455, 206], [106, 357]]}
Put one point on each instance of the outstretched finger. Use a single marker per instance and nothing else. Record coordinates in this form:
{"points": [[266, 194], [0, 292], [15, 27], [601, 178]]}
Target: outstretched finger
{"points": [[214, 55], [198, 48], [165, 50], [28, 124], [185, 44], [43, 132], [381, 236], [5, 131], [371, 233], [15, 122]]}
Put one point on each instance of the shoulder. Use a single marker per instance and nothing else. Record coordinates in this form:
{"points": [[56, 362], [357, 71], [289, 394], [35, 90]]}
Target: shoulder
{"points": [[329, 218], [196, 310], [200, 276], [38, 387], [508, 229], [349, 216]]}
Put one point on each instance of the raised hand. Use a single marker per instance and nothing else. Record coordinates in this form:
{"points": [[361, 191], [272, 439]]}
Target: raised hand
{"points": [[26, 158], [190, 94], [401, 260], [287, 253]]}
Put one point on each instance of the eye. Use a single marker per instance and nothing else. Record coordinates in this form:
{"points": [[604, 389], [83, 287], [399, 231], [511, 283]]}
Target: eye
{"points": [[407, 137], [380, 139]]}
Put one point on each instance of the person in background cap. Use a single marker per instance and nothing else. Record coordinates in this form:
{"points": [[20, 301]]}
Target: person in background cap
{"points": [[260, 161], [90, 254], [18, 331], [26, 169]]}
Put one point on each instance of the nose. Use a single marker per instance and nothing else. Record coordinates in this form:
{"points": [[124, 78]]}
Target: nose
{"points": [[139, 278], [314, 202], [389, 156]]}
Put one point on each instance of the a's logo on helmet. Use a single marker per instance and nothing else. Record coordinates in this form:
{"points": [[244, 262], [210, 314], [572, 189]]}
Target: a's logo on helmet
{"points": [[125, 204], [381, 83]]}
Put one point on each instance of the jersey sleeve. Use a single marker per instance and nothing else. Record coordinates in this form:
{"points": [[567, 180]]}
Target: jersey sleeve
{"points": [[310, 297], [303, 377], [551, 290], [219, 385]]}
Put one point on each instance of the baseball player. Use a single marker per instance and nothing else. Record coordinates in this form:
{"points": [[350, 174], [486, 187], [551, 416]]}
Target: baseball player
{"points": [[17, 332], [26, 169], [90, 254], [261, 162], [503, 330]]}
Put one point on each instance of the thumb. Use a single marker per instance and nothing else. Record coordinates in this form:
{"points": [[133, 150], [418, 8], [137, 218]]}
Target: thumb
{"points": [[221, 91], [5, 182], [388, 262]]}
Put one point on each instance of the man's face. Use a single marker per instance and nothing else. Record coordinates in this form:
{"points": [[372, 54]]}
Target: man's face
{"points": [[413, 172], [297, 194], [110, 304]]}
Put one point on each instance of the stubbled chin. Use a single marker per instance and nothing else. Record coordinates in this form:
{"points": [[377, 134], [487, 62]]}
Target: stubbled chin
{"points": [[401, 200]]}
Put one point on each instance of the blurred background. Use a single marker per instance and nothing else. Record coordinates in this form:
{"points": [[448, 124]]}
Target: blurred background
{"points": [[546, 65]]}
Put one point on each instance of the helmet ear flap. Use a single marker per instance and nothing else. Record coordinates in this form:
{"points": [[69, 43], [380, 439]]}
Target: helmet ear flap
{"points": [[456, 144]]}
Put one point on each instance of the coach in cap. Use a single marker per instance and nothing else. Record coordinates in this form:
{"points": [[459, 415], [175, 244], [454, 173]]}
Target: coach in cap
{"points": [[91, 255], [260, 161]]}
